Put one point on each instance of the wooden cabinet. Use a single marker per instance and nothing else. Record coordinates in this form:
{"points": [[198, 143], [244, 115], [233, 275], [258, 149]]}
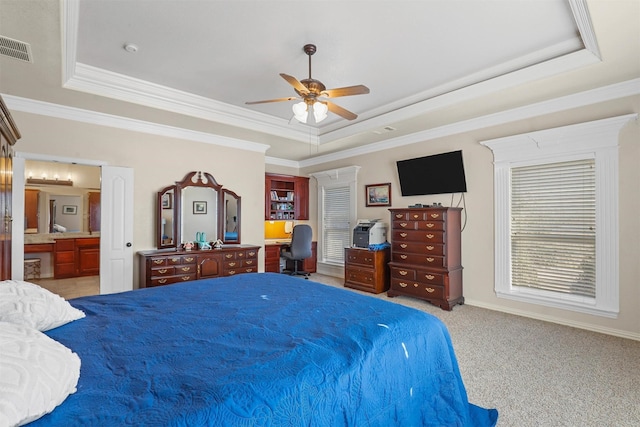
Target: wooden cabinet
{"points": [[272, 258], [31, 198], [426, 255], [286, 197], [366, 270], [76, 257], [9, 134], [94, 211], [162, 267]]}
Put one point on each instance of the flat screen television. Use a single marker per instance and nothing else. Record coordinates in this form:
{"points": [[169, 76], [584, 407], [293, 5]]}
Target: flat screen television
{"points": [[436, 174]]}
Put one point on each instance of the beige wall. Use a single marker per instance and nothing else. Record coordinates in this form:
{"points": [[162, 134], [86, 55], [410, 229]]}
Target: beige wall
{"points": [[478, 235], [157, 162]]}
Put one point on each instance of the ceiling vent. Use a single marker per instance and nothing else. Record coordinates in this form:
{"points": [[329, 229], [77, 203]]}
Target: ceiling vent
{"points": [[15, 49]]}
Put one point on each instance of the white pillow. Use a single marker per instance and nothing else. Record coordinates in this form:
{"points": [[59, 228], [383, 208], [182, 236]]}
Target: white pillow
{"points": [[37, 374], [27, 304]]}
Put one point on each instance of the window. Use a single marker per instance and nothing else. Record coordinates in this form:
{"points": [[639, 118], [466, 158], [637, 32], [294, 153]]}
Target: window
{"points": [[556, 216], [336, 212]]}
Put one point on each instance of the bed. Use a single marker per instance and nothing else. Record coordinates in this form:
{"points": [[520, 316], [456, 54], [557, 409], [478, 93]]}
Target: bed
{"points": [[260, 349]]}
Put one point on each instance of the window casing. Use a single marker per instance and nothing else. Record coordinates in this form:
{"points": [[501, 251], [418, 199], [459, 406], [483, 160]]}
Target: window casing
{"points": [[336, 212], [592, 142]]}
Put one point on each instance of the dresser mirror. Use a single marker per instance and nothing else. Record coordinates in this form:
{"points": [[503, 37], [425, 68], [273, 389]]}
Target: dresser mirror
{"points": [[231, 217], [197, 209]]}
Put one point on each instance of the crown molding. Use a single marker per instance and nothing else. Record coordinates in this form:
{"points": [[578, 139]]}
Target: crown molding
{"points": [[102, 119], [581, 99]]}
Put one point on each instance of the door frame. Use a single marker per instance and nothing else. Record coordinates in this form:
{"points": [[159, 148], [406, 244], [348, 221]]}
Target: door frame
{"points": [[17, 261]]}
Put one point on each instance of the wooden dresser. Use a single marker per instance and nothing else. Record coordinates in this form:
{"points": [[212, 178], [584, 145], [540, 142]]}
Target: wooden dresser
{"points": [[426, 255], [366, 270], [163, 267]]}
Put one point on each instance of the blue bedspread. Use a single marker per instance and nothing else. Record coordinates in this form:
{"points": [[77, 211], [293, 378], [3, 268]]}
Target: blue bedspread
{"points": [[260, 349]]}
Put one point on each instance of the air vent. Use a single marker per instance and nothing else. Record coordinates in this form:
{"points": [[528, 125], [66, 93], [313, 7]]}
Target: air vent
{"points": [[384, 130], [15, 49]]}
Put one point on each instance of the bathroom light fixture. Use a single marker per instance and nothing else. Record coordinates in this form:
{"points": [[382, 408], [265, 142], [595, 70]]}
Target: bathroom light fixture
{"points": [[44, 181]]}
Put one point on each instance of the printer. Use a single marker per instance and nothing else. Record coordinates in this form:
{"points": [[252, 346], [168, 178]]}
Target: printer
{"points": [[369, 232]]}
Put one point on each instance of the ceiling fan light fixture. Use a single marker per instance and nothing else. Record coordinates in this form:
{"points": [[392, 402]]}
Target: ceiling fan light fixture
{"points": [[300, 111], [320, 111]]}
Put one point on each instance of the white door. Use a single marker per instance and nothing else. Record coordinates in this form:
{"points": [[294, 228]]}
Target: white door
{"points": [[116, 235]]}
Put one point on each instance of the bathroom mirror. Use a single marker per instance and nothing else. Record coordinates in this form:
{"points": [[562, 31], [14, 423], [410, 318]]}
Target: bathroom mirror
{"points": [[196, 207]]}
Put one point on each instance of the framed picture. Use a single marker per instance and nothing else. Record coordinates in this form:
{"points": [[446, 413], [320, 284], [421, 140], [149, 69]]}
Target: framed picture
{"points": [[167, 201], [199, 208], [378, 194], [69, 209]]}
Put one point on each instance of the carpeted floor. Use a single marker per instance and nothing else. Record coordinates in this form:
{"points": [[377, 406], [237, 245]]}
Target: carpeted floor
{"points": [[535, 373], [538, 373]]}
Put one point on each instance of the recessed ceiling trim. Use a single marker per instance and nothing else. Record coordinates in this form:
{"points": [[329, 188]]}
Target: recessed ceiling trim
{"points": [[582, 99]]}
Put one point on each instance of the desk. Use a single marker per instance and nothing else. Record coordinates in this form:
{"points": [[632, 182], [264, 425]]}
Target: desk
{"points": [[272, 258]]}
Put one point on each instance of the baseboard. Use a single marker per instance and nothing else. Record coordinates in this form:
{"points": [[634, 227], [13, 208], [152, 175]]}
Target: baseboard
{"points": [[559, 321], [330, 270]]}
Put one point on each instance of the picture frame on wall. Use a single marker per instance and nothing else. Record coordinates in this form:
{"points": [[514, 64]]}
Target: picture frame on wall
{"points": [[69, 209], [378, 194], [199, 208], [167, 202]]}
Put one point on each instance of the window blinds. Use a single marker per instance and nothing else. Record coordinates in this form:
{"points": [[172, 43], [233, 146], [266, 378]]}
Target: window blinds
{"points": [[336, 226], [553, 231]]}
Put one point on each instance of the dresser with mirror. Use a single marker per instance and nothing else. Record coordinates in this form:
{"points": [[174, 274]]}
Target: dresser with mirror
{"points": [[197, 233]]}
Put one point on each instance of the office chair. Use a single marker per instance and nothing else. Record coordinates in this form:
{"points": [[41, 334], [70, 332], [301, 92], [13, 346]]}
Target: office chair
{"points": [[299, 249]]}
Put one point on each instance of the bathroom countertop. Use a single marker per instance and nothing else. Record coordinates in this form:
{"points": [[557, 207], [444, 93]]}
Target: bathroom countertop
{"points": [[52, 237]]}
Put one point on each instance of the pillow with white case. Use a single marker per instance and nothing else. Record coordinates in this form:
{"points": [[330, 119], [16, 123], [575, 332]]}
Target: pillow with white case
{"points": [[28, 304], [37, 374]]}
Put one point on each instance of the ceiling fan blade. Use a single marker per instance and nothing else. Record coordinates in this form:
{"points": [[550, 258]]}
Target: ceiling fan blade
{"points": [[345, 91], [336, 109], [295, 83], [291, 98]]}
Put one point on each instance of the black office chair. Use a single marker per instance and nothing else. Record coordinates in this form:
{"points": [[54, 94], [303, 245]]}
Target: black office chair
{"points": [[299, 249]]}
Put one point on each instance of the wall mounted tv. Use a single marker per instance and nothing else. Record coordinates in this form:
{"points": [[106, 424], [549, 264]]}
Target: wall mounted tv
{"points": [[436, 174]]}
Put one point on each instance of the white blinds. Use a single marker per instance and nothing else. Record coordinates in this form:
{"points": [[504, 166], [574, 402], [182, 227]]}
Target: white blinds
{"points": [[336, 226], [553, 231]]}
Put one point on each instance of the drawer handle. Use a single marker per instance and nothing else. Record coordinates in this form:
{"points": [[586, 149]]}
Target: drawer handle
{"points": [[252, 254], [430, 259], [403, 245], [403, 256], [162, 281], [232, 264], [232, 272], [429, 236], [241, 255], [403, 234], [176, 259], [185, 278], [430, 290], [416, 216], [415, 285], [158, 261], [430, 225], [229, 256], [435, 215], [249, 262], [189, 259], [430, 276], [368, 259], [399, 216], [403, 272], [402, 284], [429, 248], [185, 269], [249, 270], [403, 224], [162, 270]]}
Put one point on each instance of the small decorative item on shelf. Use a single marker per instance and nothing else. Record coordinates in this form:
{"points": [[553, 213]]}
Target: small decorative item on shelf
{"points": [[188, 246], [217, 244]]}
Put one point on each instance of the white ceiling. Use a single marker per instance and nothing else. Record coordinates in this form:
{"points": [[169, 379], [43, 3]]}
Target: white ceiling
{"points": [[205, 59]]}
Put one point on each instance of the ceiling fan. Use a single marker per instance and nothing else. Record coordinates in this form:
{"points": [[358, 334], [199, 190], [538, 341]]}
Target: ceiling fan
{"points": [[311, 90]]}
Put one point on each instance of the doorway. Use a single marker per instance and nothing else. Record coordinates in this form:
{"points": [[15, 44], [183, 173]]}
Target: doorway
{"points": [[116, 211]]}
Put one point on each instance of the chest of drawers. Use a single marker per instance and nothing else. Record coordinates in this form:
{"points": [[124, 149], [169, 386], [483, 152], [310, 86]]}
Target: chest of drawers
{"points": [[366, 270], [166, 267], [426, 255]]}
